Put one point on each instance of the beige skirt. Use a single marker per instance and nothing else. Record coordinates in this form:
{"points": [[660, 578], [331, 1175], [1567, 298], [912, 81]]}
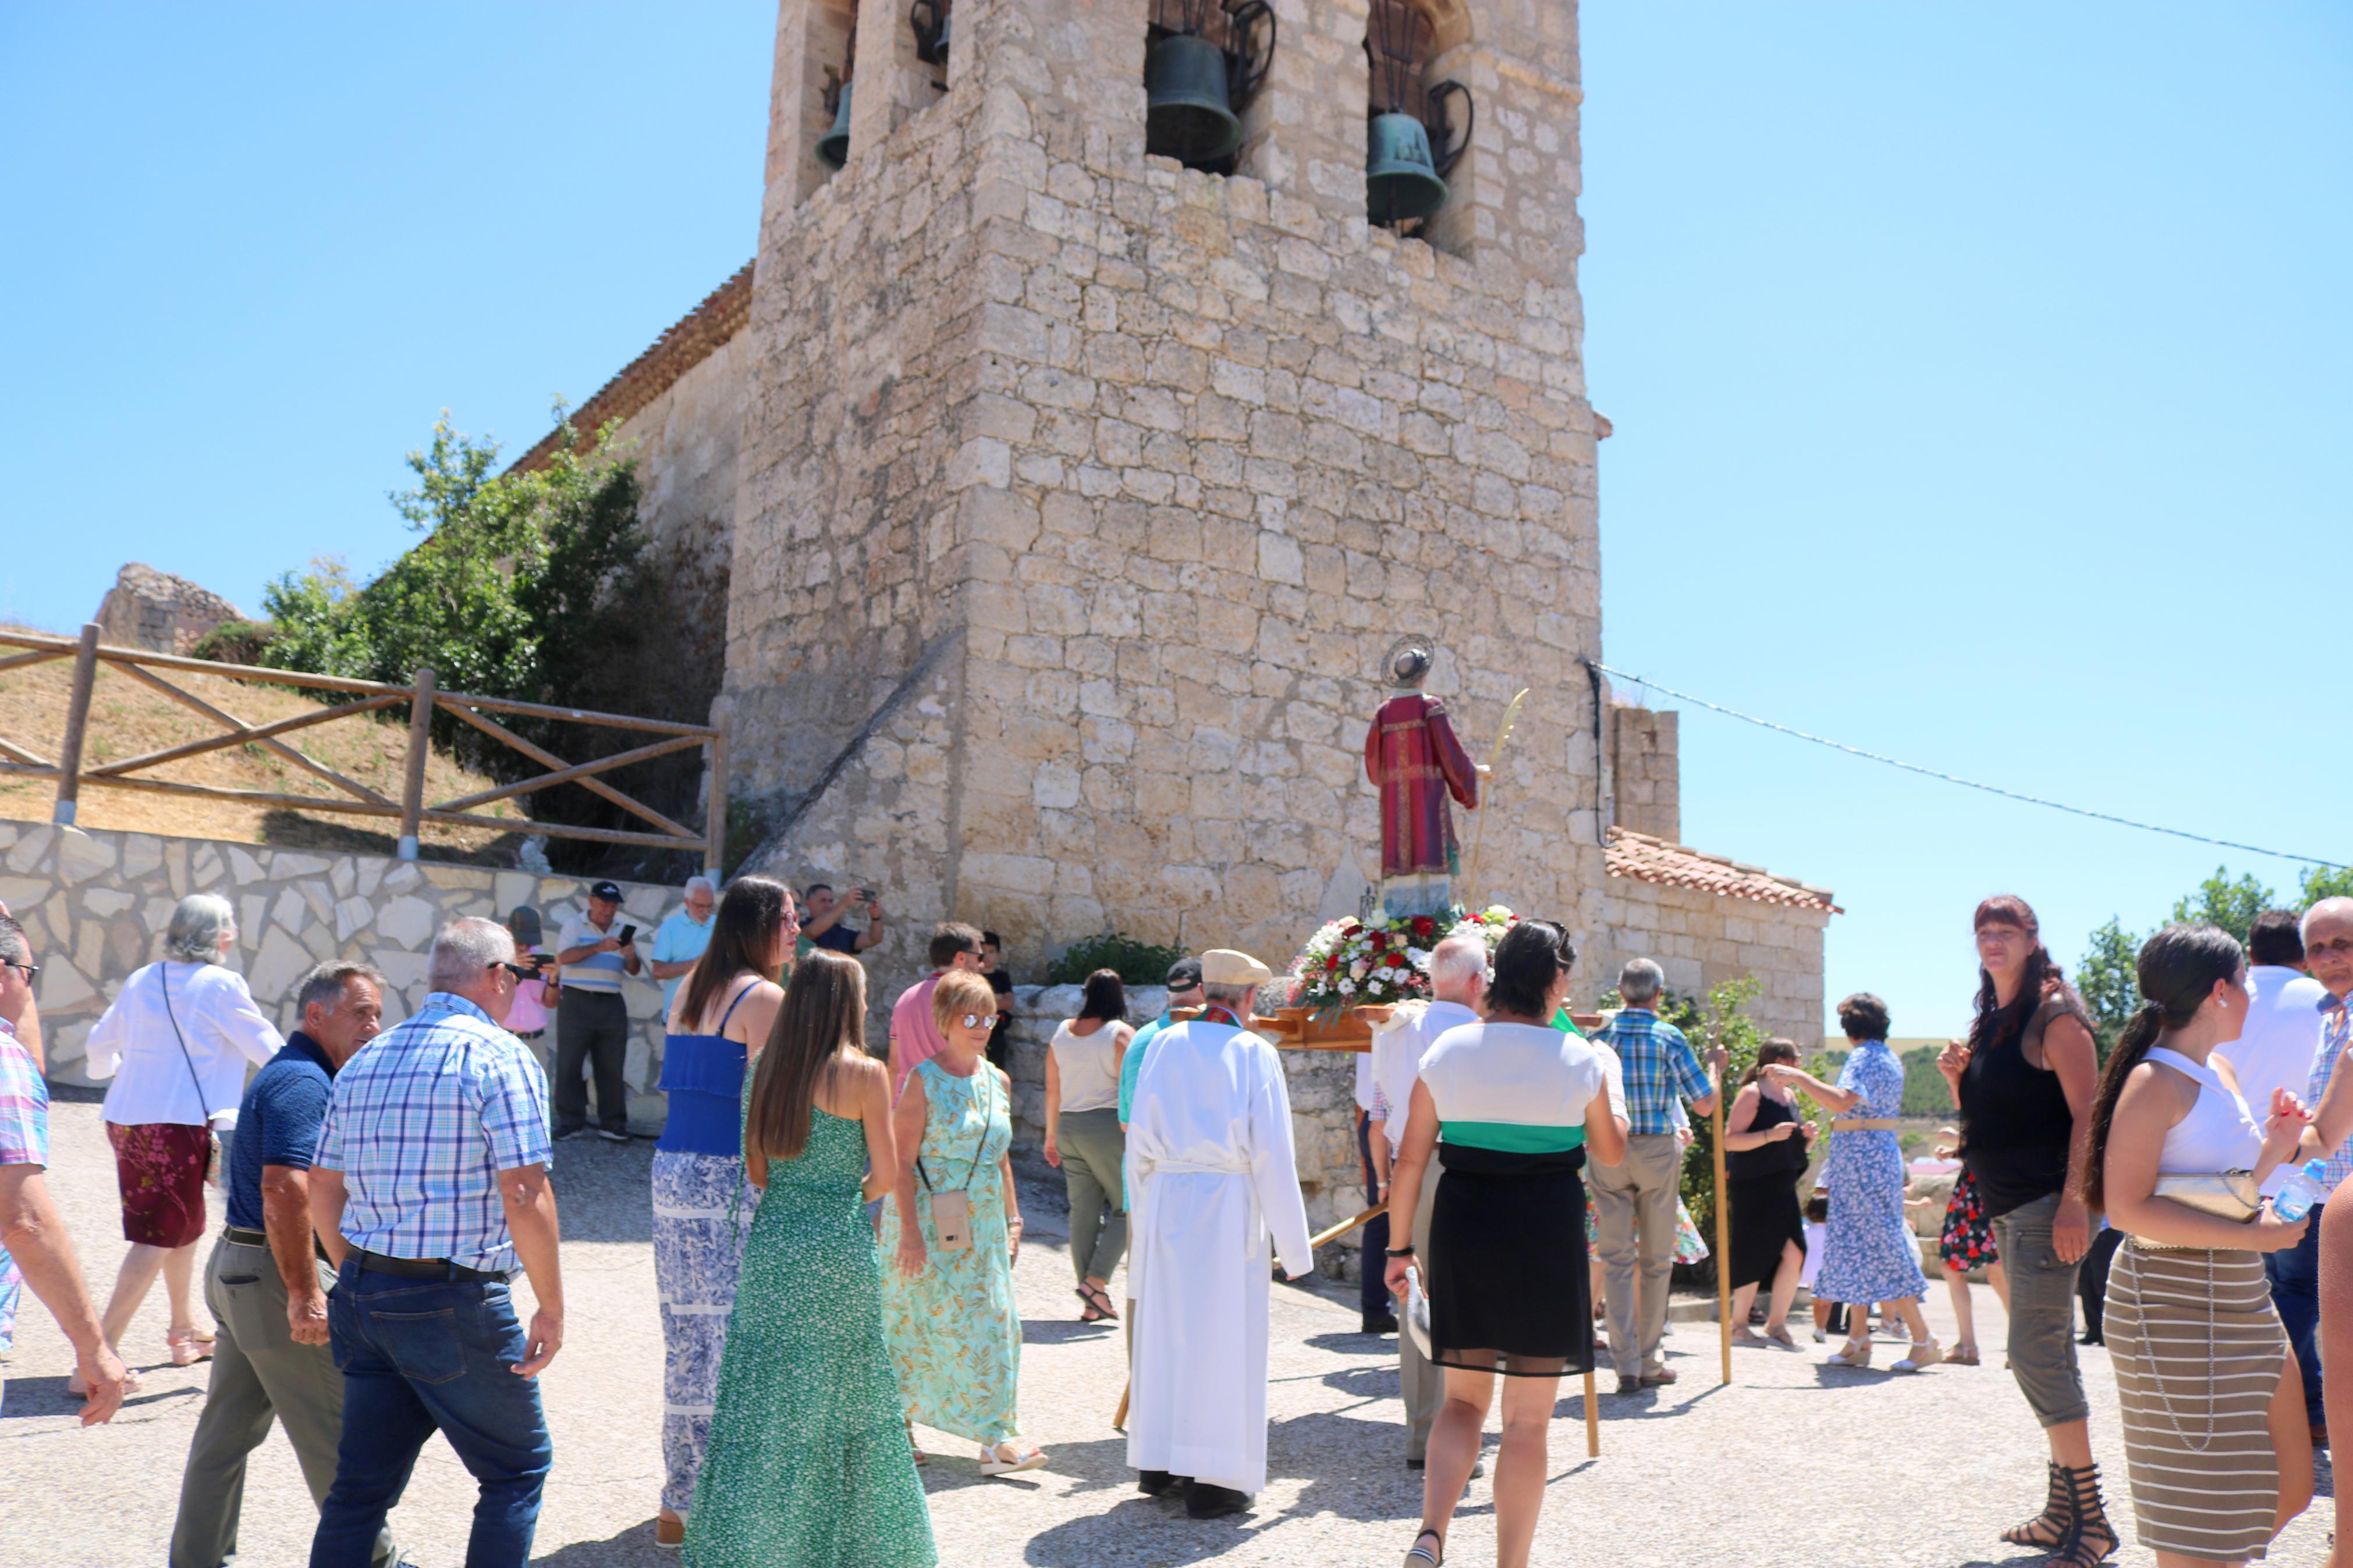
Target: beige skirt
{"points": [[2198, 1351]]}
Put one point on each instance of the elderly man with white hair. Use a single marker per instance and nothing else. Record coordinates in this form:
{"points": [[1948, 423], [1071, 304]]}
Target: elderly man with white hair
{"points": [[429, 1184], [681, 937], [1458, 984], [2327, 932], [1634, 1200], [1212, 1173]]}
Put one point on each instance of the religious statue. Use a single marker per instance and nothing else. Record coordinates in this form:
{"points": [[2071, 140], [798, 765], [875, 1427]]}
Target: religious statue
{"points": [[1412, 756]]}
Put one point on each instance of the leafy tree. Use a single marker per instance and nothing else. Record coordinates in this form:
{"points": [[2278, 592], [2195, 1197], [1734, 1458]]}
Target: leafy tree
{"points": [[1723, 1021], [2220, 901], [1139, 962], [526, 585], [2107, 979], [2327, 882]]}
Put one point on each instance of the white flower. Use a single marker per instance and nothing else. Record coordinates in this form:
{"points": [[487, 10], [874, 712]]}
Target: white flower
{"points": [[1347, 988], [1357, 970], [1419, 958]]}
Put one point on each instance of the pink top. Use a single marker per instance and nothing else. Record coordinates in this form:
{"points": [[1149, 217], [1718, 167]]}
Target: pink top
{"points": [[915, 1038], [529, 1012]]}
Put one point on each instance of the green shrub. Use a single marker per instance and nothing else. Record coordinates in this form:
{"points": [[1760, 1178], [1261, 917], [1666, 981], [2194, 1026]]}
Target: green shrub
{"points": [[1139, 962], [234, 642]]}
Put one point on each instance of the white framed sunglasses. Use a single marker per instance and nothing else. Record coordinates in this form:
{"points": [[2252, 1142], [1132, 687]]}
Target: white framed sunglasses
{"points": [[975, 1020]]}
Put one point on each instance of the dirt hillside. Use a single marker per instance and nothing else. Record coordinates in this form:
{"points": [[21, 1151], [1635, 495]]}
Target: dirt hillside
{"points": [[127, 719]]}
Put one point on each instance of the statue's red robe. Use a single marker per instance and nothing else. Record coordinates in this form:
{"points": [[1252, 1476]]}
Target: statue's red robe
{"points": [[1411, 754]]}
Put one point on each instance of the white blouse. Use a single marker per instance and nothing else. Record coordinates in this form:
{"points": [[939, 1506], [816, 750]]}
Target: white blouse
{"points": [[218, 1019], [1527, 1075], [1088, 1066]]}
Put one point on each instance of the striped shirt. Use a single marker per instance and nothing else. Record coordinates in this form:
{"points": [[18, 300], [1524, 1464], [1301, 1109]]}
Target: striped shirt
{"points": [[2336, 1034], [599, 971], [1658, 1067], [422, 1122], [24, 1141]]}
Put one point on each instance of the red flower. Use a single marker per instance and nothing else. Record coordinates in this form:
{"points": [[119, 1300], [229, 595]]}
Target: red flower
{"points": [[1333, 962], [1423, 925]]}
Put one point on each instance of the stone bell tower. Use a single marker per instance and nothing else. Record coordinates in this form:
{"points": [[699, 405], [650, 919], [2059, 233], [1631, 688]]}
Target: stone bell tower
{"points": [[1082, 492]]}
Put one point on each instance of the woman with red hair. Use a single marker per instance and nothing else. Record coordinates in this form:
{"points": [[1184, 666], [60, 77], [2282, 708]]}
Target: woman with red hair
{"points": [[2024, 1079]]}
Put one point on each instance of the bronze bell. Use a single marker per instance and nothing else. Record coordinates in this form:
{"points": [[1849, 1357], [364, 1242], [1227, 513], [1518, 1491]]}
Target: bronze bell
{"points": [[1187, 113], [833, 147], [1401, 178]]}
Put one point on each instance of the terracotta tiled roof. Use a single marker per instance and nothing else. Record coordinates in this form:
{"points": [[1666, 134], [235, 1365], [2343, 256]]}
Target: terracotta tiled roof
{"points": [[656, 371], [1643, 859]]}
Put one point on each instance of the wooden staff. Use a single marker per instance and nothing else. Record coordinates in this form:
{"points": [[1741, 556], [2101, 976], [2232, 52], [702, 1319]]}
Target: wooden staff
{"points": [[1486, 807], [1592, 1418], [1324, 1238], [1723, 1236]]}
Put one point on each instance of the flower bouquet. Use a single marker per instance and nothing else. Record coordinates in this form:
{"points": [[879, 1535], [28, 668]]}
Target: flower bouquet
{"points": [[1352, 973]]}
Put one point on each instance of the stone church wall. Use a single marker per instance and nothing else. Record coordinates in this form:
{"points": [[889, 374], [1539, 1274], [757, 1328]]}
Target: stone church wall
{"points": [[1702, 940], [1081, 494]]}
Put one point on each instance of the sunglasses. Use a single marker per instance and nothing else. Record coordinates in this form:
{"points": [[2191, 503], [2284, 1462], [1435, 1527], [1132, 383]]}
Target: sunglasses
{"points": [[30, 969], [520, 970], [975, 1020]]}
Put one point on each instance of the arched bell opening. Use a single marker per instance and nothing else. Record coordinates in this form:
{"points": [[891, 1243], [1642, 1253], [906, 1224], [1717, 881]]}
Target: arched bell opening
{"points": [[1416, 127], [833, 147], [1204, 60], [929, 21]]}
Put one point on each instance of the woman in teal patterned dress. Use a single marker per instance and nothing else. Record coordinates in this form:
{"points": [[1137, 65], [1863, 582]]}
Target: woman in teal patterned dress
{"points": [[949, 1312], [808, 1464]]}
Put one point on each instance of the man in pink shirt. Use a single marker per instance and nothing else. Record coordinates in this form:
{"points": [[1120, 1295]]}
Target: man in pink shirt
{"points": [[914, 1037]]}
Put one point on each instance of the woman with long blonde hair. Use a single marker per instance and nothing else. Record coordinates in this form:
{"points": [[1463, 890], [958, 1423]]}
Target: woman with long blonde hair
{"points": [[808, 1463]]}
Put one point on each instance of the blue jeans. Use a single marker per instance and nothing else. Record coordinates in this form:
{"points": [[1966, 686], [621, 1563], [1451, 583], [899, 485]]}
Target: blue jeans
{"points": [[2295, 1292], [422, 1355]]}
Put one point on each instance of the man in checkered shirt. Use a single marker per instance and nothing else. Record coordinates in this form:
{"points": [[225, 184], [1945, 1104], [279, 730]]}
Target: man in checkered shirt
{"points": [[1634, 1200], [429, 1186]]}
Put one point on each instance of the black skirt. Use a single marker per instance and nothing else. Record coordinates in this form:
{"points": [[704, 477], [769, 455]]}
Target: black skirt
{"points": [[1766, 1214], [1509, 1287]]}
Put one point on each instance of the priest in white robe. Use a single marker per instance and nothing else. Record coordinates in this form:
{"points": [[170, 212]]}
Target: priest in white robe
{"points": [[1211, 1174]]}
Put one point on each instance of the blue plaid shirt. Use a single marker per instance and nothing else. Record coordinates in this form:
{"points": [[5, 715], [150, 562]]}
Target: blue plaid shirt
{"points": [[1659, 1067], [423, 1121], [2335, 1032]]}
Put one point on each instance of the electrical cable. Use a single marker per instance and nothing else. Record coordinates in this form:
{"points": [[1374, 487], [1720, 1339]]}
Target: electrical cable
{"points": [[1950, 778]]}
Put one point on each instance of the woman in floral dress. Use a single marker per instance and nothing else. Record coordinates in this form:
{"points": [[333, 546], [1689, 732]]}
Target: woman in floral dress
{"points": [[808, 1463], [954, 1331], [1868, 1252], [1964, 1246]]}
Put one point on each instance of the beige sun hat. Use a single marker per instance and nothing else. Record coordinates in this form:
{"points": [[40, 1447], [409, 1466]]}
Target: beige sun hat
{"points": [[1224, 966]]}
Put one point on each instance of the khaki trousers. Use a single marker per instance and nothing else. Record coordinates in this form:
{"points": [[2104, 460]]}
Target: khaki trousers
{"points": [[1634, 1236], [258, 1374], [1422, 1384]]}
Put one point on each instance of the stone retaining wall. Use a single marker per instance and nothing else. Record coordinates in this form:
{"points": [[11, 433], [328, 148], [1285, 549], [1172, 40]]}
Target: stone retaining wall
{"points": [[95, 905], [1323, 1109]]}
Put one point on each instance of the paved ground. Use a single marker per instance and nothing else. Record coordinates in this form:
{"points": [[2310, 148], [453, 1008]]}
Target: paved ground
{"points": [[1794, 1465]]}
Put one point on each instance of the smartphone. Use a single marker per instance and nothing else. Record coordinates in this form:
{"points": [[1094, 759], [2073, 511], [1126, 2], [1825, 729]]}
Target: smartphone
{"points": [[866, 894], [628, 935]]}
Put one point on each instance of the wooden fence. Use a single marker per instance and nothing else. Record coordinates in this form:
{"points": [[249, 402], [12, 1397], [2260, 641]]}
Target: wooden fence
{"points": [[422, 699]]}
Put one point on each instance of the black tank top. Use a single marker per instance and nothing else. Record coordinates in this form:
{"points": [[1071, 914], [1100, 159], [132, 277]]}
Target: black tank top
{"points": [[2015, 1124], [1785, 1158]]}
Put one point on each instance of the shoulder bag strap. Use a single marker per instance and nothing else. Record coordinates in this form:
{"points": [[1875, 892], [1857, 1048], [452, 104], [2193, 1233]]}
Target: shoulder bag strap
{"points": [[163, 976], [988, 1114]]}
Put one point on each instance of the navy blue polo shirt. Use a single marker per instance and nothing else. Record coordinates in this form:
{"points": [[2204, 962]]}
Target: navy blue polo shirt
{"points": [[838, 937], [277, 1122]]}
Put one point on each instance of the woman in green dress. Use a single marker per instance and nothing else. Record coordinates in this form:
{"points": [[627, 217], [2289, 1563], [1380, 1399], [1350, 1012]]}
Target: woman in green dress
{"points": [[808, 1463], [948, 1308]]}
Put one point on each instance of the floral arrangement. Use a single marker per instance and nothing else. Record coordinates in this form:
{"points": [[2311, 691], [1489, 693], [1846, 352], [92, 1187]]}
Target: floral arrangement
{"points": [[1384, 960]]}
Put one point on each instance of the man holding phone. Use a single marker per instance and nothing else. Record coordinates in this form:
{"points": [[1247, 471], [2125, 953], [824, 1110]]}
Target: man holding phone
{"points": [[827, 928], [592, 1024]]}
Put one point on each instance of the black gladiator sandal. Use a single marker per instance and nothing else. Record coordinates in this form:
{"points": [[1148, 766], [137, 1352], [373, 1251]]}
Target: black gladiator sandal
{"points": [[2090, 1537], [2053, 1528]]}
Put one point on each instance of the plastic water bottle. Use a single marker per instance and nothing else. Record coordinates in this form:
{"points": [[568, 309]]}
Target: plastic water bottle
{"points": [[2300, 1192]]}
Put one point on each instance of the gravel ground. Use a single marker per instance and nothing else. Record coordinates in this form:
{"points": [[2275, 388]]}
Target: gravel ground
{"points": [[1795, 1465]]}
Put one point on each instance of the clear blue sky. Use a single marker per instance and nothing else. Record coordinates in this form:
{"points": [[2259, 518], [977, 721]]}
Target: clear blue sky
{"points": [[1976, 371]]}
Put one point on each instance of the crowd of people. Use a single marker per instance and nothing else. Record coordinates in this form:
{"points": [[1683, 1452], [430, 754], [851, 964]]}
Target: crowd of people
{"points": [[835, 1228]]}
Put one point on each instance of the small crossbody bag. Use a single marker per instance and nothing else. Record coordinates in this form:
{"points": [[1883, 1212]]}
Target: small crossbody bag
{"points": [[2225, 1195], [952, 1210]]}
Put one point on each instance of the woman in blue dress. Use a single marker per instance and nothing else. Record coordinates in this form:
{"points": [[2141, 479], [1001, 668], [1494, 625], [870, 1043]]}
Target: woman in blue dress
{"points": [[1869, 1253]]}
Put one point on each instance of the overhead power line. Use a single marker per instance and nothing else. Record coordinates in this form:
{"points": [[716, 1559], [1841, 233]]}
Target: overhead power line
{"points": [[1952, 778]]}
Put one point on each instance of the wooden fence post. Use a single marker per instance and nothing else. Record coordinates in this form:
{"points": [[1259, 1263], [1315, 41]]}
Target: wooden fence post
{"points": [[420, 747], [714, 853], [85, 676]]}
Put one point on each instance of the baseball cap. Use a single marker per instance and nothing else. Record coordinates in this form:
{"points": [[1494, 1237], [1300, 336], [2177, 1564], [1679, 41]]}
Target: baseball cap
{"points": [[1185, 973], [608, 891]]}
